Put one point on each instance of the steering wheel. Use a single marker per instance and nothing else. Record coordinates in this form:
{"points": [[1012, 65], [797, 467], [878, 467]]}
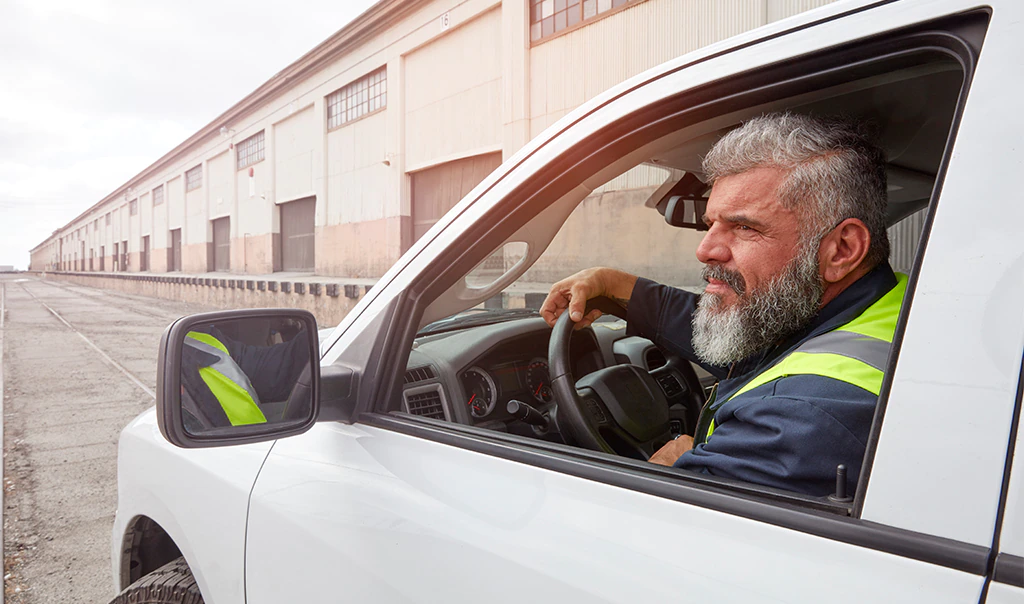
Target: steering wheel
{"points": [[622, 400]]}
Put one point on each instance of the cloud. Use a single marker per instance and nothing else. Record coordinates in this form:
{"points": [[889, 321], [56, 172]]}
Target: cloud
{"points": [[96, 91]]}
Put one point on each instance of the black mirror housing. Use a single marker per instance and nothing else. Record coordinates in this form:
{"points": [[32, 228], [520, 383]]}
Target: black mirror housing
{"points": [[686, 213], [176, 414], [685, 203]]}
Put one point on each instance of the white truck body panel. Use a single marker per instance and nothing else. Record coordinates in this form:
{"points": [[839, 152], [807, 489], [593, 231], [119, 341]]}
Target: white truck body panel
{"points": [[1001, 593], [363, 514], [948, 417], [355, 512], [198, 496]]}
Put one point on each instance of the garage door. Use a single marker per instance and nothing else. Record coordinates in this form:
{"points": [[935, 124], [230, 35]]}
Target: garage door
{"points": [[297, 234], [436, 190], [222, 244], [174, 251]]}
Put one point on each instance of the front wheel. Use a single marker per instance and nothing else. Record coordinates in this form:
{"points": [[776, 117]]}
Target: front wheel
{"points": [[172, 583]]}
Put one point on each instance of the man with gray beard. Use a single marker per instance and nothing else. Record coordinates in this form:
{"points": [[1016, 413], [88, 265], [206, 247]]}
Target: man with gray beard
{"points": [[799, 311]]}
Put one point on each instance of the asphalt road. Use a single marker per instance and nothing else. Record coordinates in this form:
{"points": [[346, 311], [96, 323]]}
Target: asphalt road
{"points": [[78, 363]]}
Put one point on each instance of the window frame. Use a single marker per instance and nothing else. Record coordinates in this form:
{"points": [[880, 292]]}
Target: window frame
{"points": [[558, 177], [194, 178], [535, 6], [158, 195], [340, 94], [254, 151]]}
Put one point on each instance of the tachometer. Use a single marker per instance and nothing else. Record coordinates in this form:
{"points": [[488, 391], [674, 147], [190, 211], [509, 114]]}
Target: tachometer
{"points": [[538, 380], [481, 393]]}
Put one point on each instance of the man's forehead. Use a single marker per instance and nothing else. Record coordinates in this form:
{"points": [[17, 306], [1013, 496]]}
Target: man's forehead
{"points": [[752, 194]]}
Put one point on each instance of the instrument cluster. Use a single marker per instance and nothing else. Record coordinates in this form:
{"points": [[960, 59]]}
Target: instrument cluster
{"points": [[488, 389]]}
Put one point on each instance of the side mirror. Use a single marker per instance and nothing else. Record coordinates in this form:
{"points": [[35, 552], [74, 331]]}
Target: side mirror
{"points": [[239, 376]]}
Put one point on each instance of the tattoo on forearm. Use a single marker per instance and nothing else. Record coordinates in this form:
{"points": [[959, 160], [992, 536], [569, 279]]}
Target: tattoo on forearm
{"points": [[623, 302]]}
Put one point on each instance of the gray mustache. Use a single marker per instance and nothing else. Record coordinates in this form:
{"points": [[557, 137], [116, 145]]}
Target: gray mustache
{"points": [[731, 278]]}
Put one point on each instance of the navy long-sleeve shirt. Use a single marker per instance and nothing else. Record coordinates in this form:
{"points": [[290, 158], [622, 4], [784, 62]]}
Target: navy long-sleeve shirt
{"points": [[790, 433]]}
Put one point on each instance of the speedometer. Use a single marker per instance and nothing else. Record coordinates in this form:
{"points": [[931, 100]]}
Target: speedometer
{"points": [[481, 393], [539, 381]]}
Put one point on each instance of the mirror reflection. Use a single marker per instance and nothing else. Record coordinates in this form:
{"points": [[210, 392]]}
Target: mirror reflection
{"points": [[241, 372]]}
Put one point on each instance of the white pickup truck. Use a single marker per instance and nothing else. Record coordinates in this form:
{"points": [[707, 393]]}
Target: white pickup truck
{"points": [[405, 474]]}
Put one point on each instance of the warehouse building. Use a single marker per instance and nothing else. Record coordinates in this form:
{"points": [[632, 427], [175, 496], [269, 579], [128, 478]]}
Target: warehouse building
{"points": [[342, 160]]}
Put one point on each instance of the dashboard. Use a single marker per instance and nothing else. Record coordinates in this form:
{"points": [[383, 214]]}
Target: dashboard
{"points": [[469, 375]]}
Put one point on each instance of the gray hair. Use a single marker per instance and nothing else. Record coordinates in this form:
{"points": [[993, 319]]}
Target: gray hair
{"points": [[835, 172]]}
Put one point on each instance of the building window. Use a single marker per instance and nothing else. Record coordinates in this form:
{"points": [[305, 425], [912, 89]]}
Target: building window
{"points": [[548, 17], [158, 195], [194, 178], [133, 207], [250, 150], [362, 97], [108, 219]]}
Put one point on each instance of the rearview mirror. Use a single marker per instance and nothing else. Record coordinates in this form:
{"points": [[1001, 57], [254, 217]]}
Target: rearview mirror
{"points": [[238, 376], [684, 204]]}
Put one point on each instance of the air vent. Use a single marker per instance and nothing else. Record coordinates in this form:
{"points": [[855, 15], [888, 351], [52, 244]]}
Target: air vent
{"points": [[418, 374], [427, 404], [655, 359], [670, 385]]}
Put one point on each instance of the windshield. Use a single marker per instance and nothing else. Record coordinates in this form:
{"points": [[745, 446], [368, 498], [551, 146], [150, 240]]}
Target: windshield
{"points": [[616, 225]]}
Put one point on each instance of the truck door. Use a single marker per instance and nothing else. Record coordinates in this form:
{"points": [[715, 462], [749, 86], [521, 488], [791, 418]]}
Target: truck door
{"points": [[391, 506]]}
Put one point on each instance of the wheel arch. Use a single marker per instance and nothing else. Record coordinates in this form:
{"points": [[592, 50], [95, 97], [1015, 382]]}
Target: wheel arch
{"points": [[145, 547]]}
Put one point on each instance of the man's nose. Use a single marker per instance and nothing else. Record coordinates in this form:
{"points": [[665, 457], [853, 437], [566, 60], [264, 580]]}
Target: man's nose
{"points": [[713, 247]]}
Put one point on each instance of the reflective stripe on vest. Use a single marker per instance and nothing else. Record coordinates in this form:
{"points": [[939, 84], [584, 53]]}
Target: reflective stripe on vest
{"points": [[855, 353], [227, 381]]}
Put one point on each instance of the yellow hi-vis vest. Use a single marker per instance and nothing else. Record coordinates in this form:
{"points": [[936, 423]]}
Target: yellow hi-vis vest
{"points": [[227, 381], [855, 353]]}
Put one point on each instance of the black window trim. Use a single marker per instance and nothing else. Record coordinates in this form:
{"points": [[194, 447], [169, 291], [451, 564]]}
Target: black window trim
{"points": [[701, 103]]}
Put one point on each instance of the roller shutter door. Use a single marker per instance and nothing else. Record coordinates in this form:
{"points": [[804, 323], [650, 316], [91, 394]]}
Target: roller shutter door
{"points": [[222, 244], [297, 235], [436, 190], [174, 256]]}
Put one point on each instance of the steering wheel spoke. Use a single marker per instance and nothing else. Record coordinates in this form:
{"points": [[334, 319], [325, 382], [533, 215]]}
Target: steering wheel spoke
{"points": [[622, 400]]}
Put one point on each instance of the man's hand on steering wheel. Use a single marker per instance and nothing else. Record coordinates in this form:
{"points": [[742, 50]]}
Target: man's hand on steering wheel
{"points": [[574, 291]]}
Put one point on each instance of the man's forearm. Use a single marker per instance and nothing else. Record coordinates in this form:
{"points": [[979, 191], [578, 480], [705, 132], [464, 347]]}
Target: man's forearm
{"points": [[618, 285]]}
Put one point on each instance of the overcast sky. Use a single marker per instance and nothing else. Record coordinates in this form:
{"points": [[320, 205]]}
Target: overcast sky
{"points": [[93, 91]]}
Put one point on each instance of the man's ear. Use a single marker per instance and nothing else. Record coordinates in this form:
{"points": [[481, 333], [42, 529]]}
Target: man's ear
{"points": [[843, 249]]}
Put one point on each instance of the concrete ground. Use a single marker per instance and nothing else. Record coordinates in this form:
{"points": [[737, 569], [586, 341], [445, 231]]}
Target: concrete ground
{"points": [[78, 363]]}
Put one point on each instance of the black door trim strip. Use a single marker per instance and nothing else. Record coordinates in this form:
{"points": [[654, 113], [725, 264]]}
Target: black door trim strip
{"points": [[1009, 569], [948, 553]]}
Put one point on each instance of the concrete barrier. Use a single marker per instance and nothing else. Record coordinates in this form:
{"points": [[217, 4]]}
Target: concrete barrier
{"points": [[328, 299]]}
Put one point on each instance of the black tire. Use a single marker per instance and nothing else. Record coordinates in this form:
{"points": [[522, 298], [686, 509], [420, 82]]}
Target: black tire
{"points": [[172, 583]]}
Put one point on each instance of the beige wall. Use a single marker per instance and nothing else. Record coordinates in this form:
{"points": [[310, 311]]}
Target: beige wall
{"points": [[356, 174], [175, 200], [220, 171], [570, 69], [453, 94], [158, 220], [295, 144], [197, 217], [474, 86]]}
